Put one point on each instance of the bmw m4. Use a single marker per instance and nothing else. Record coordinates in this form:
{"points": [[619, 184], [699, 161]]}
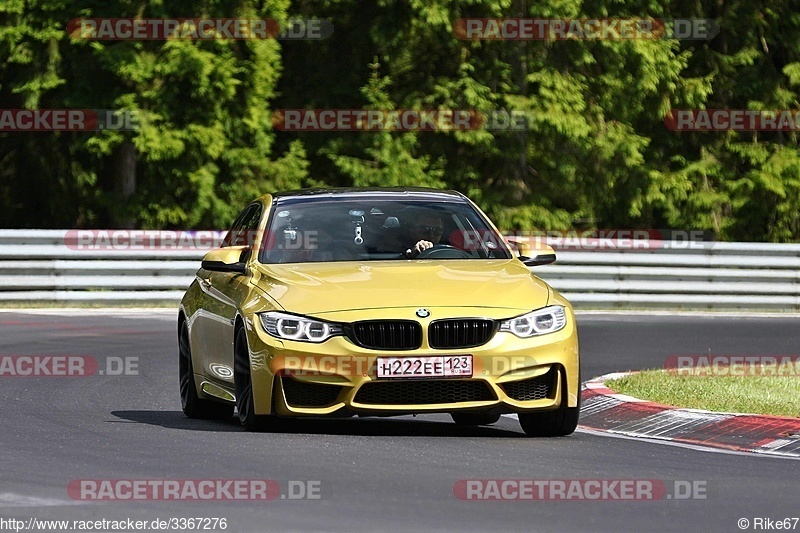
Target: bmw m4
{"points": [[376, 302]]}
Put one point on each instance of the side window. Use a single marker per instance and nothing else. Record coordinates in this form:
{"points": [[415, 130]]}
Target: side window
{"points": [[244, 228]]}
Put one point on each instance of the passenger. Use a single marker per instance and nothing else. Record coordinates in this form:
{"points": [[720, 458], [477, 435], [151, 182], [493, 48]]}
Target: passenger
{"points": [[307, 246]]}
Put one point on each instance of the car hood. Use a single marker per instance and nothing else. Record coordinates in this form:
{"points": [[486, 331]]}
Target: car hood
{"points": [[309, 288]]}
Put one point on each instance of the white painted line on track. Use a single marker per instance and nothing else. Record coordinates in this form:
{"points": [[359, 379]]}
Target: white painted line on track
{"points": [[695, 447], [10, 499], [656, 440]]}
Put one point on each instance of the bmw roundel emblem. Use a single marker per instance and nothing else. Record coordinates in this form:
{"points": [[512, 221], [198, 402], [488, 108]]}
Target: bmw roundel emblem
{"points": [[423, 313]]}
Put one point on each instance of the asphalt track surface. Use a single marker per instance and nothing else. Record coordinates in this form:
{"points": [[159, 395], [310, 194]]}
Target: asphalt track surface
{"points": [[392, 474]]}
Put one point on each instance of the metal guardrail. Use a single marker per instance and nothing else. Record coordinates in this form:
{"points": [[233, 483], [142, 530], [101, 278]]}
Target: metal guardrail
{"points": [[39, 266]]}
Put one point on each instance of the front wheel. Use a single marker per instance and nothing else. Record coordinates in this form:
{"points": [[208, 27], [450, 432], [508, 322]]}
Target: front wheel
{"points": [[192, 405], [243, 383], [557, 423]]}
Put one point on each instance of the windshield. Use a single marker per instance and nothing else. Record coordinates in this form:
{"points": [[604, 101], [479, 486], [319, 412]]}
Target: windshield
{"points": [[302, 230]]}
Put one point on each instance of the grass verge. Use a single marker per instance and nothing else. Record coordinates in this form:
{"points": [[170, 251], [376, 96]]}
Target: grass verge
{"points": [[766, 395]]}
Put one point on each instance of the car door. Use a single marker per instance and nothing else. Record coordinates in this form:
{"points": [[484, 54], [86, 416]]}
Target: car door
{"points": [[222, 292]]}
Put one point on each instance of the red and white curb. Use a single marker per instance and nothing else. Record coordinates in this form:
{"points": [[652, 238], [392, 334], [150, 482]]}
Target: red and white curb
{"points": [[607, 411]]}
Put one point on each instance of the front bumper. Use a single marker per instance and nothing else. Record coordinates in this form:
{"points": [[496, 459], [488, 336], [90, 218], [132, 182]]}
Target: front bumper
{"points": [[510, 375]]}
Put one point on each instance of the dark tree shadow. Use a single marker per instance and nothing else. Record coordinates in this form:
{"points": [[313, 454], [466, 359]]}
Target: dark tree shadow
{"points": [[356, 426]]}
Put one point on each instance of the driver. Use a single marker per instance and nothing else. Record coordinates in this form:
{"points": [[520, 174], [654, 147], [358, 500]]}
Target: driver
{"points": [[424, 232]]}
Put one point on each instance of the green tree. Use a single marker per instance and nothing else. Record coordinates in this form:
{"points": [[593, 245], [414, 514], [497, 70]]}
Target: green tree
{"points": [[205, 145], [596, 152]]}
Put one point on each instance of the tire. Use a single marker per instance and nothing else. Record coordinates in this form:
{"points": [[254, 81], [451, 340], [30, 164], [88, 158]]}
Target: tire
{"points": [[192, 405], [556, 423], [475, 419], [243, 384]]}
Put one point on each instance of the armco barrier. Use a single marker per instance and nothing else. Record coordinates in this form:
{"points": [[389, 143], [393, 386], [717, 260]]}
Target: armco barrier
{"points": [[37, 266]]}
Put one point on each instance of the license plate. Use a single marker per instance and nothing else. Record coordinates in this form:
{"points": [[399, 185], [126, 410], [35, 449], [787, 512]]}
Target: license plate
{"points": [[429, 366]]}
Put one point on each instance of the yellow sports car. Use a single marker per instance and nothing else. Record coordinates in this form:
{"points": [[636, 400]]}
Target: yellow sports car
{"points": [[376, 302]]}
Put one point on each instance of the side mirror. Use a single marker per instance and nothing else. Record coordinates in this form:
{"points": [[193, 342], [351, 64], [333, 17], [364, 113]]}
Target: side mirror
{"points": [[229, 259], [540, 254]]}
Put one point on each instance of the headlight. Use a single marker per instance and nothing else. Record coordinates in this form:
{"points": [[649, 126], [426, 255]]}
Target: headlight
{"points": [[539, 322], [298, 328]]}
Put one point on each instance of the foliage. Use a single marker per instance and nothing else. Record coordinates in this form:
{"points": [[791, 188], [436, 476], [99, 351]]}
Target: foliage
{"points": [[596, 152]]}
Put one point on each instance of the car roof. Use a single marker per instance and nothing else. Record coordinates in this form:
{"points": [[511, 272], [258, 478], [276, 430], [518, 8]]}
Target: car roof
{"points": [[372, 192]]}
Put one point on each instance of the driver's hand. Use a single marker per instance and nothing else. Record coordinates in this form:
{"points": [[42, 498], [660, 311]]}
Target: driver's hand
{"points": [[418, 248]]}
